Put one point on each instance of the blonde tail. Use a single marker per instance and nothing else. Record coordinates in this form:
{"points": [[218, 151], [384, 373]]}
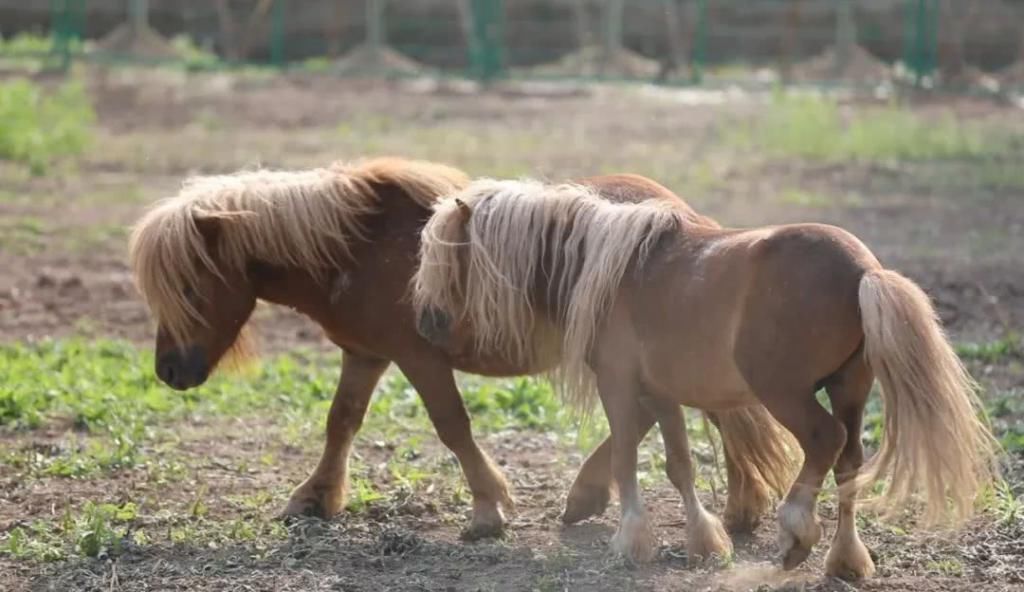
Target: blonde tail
{"points": [[933, 442], [759, 448]]}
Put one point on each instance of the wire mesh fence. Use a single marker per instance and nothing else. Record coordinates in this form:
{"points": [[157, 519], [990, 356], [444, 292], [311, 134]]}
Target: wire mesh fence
{"points": [[953, 44]]}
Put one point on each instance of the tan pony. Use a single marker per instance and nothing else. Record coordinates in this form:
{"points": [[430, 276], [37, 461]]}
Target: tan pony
{"points": [[340, 244], [660, 311]]}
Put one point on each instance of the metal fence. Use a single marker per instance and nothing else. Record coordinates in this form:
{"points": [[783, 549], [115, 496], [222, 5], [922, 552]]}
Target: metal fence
{"points": [[949, 43]]}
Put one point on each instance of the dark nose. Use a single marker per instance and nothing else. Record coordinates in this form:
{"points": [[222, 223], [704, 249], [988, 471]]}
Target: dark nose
{"points": [[435, 326], [182, 370], [168, 369]]}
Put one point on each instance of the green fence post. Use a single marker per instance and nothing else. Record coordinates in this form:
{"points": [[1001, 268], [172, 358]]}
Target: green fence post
{"points": [[61, 32], [611, 43], [931, 62], [277, 33], [699, 43], [485, 52], [138, 13], [920, 38], [375, 24]]}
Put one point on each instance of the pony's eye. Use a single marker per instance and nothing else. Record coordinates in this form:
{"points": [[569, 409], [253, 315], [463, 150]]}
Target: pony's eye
{"points": [[189, 294]]}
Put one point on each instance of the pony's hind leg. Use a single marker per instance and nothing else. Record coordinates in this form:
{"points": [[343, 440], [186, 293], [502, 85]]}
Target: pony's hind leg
{"points": [[749, 496], [435, 383], [322, 494], [821, 437], [848, 391], [591, 490], [620, 395], [705, 535]]}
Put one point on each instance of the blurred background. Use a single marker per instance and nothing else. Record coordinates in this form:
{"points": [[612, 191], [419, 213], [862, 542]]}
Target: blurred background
{"points": [[899, 120], [967, 44]]}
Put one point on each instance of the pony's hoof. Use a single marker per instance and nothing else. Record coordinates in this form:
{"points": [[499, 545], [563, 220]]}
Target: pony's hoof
{"points": [[850, 562], [478, 531], [635, 540], [799, 531], [707, 537], [741, 521], [488, 522], [584, 503], [744, 509], [313, 504], [794, 555]]}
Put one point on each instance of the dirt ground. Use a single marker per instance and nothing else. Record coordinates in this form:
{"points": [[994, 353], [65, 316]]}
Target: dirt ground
{"points": [[63, 273]]}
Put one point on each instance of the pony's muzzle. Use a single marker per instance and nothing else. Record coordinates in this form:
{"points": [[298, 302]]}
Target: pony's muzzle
{"points": [[183, 369], [435, 326]]}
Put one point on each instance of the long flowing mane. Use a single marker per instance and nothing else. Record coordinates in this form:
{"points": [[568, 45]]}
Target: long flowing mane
{"points": [[306, 219], [485, 271]]}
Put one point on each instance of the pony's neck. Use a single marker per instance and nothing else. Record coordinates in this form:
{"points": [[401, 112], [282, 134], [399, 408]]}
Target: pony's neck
{"points": [[330, 296], [294, 288]]}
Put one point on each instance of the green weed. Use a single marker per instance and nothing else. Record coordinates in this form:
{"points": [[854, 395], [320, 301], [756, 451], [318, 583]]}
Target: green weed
{"points": [[29, 52], [362, 495], [814, 127], [992, 351], [947, 567], [39, 127], [194, 57], [1003, 503], [97, 529], [22, 234]]}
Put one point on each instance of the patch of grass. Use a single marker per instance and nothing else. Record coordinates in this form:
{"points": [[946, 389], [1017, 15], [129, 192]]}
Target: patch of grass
{"points": [[40, 127], [97, 236], [30, 52], [483, 150], [22, 234], [108, 392], [815, 128], [362, 495], [947, 567], [95, 530], [992, 351], [1001, 501], [1006, 410], [798, 197], [80, 458], [194, 57], [107, 529]]}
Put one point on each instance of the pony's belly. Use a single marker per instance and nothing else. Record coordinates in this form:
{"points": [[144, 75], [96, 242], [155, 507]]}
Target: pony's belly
{"points": [[496, 366], [703, 378]]}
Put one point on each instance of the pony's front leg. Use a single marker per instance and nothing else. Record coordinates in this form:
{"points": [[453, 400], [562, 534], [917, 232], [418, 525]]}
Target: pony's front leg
{"points": [[620, 397], [748, 498], [434, 381], [591, 490], [322, 494], [705, 535]]}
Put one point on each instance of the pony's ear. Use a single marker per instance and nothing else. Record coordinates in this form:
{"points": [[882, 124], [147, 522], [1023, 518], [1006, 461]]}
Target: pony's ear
{"points": [[209, 223], [464, 210]]}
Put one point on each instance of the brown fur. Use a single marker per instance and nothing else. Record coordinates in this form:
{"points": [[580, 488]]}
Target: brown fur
{"points": [[304, 219], [721, 319], [339, 245], [568, 214]]}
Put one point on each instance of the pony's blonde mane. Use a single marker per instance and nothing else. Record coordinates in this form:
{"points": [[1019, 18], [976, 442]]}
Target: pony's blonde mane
{"points": [[484, 271], [306, 219]]}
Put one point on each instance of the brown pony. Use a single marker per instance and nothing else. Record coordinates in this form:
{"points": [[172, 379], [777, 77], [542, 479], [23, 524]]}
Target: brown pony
{"points": [[340, 245], [661, 311]]}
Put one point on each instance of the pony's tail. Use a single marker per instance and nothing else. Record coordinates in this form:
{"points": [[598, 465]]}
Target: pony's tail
{"points": [[759, 448], [934, 441]]}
